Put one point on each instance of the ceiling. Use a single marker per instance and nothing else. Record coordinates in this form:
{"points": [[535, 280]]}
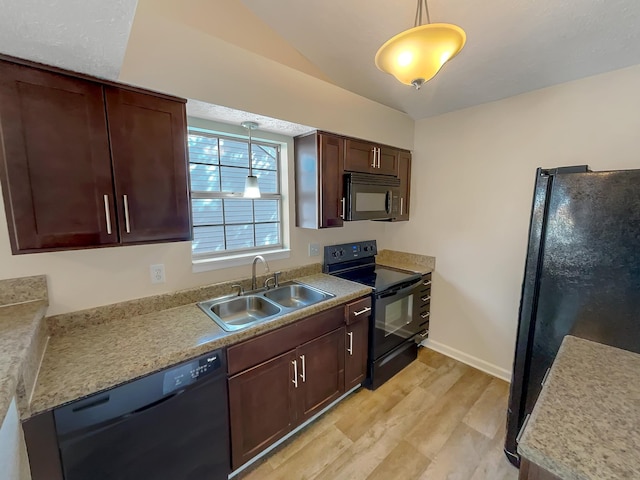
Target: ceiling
{"points": [[513, 46]]}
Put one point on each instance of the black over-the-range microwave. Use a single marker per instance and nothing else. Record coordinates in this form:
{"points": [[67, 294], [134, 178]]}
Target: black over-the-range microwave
{"points": [[371, 197]]}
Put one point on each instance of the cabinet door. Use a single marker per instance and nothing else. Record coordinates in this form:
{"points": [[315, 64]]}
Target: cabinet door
{"points": [[359, 157], [54, 161], [387, 163], [331, 180], [356, 353], [320, 373], [262, 407], [148, 148], [404, 174]]}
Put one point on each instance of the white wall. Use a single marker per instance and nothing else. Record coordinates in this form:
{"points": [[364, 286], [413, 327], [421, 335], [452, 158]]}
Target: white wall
{"points": [[472, 184]]}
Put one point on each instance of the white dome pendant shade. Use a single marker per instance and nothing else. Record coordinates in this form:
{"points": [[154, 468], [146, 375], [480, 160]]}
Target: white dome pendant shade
{"points": [[416, 55]]}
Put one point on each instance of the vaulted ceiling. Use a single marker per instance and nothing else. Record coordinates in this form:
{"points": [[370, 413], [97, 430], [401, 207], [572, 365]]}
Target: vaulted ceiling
{"points": [[513, 46]]}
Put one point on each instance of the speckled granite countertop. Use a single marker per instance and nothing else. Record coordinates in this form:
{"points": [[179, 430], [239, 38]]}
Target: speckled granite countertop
{"points": [[18, 325], [406, 261], [83, 361], [586, 422], [23, 304]]}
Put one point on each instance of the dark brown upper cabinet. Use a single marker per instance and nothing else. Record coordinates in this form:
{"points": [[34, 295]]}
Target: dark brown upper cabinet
{"points": [[404, 174], [148, 152], [319, 159], [85, 164], [367, 157]]}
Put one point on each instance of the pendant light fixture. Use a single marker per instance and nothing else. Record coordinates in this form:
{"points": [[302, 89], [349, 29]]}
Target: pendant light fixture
{"points": [[416, 55], [251, 188]]}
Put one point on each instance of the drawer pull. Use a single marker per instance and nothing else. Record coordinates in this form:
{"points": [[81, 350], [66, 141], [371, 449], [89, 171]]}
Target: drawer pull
{"points": [[350, 348], [295, 372], [364, 310], [427, 283], [127, 223], [427, 298], [425, 315]]}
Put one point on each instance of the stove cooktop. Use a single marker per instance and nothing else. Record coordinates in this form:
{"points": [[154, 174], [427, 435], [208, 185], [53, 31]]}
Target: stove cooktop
{"points": [[378, 277]]}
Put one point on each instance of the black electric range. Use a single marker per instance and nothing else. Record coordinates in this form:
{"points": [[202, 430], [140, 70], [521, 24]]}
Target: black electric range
{"points": [[394, 323]]}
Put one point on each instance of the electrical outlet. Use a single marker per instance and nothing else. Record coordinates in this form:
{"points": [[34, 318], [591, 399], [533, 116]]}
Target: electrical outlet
{"points": [[314, 249], [157, 273]]}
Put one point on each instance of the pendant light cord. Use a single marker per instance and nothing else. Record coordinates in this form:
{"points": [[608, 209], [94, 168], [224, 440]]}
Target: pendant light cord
{"points": [[250, 159], [418, 20]]}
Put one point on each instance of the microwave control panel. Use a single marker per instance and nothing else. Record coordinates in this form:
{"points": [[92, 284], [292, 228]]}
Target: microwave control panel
{"points": [[349, 251]]}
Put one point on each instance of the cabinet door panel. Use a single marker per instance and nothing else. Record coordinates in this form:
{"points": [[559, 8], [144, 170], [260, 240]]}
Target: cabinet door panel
{"points": [[262, 407], [356, 353], [148, 148], [331, 179], [387, 161], [57, 167], [404, 174], [358, 156], [320, 373]]}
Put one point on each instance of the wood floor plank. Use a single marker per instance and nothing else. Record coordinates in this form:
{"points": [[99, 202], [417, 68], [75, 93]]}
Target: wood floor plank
{"points": [[314, 458], [494, 465], [488, 413], [403, 462], [459, 456], [434, 428]]}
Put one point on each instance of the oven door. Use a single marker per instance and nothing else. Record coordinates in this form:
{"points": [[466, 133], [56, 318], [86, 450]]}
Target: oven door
{"points": [[395, 318]]}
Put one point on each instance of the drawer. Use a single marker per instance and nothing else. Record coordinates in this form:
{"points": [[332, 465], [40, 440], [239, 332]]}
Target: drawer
{"points": [[358, 310], [265, 347]]}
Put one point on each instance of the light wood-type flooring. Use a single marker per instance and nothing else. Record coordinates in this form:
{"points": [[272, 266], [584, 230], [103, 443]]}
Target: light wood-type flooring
{"points": [[437, 419]]}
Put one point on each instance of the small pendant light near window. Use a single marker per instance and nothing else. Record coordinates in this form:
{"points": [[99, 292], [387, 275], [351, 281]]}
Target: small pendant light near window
{"points": [[416, 55], [251, 188]]}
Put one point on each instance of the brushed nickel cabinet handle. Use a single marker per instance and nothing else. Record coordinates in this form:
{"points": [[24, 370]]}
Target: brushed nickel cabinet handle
{"points": [[427, 283], [401, 205], [426, 299], [424, 315], [127, 224], [378, 157], [303, 375], [364, 310], [342, 201], [295, 372], [350, 348], [373, 163], [107, 213]]}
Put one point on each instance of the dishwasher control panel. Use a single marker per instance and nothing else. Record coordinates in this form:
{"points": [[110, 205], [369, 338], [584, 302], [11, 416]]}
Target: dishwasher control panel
{"points": [[187, 373]]}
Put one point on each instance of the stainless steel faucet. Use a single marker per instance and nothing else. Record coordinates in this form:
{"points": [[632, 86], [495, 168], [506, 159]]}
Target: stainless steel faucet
{"points": [[253, 270]]}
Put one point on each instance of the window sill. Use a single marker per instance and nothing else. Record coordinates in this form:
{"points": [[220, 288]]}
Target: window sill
{"points": [[217, 263]]}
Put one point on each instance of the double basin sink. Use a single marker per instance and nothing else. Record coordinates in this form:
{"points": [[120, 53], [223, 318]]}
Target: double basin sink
{"points": [[238, 312]]}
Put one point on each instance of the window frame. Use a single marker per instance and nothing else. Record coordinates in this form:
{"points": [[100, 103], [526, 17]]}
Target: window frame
{"points": [[278, 196]]}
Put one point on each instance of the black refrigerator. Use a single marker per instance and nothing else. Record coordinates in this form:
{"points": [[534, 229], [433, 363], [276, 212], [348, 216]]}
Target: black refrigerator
{"points": [[581, 277]]}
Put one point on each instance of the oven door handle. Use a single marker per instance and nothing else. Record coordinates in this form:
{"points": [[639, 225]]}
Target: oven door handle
{"points": [[399, 292]]}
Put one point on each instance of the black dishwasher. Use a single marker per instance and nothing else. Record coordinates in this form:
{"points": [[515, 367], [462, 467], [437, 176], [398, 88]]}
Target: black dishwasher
{"points": [[171, 425]]}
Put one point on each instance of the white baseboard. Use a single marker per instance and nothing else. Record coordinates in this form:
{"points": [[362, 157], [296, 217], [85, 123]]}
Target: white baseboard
{"points": [[475, 362]]}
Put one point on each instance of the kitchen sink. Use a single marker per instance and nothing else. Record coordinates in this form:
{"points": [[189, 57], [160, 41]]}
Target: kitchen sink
{"points": [[296, 295], [242, 311]]}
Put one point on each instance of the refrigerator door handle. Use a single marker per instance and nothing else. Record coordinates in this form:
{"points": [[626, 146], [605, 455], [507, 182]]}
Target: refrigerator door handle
{"points": [[524, 425]]}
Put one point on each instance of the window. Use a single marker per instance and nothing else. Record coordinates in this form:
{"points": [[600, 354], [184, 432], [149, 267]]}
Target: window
{"points": [[223, 221]]}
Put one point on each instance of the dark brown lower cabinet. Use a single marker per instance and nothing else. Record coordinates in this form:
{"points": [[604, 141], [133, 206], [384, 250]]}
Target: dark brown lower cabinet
{"points": [[356, 351], [262, 407], [320, 373], [282, 378], [531, 471]]}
